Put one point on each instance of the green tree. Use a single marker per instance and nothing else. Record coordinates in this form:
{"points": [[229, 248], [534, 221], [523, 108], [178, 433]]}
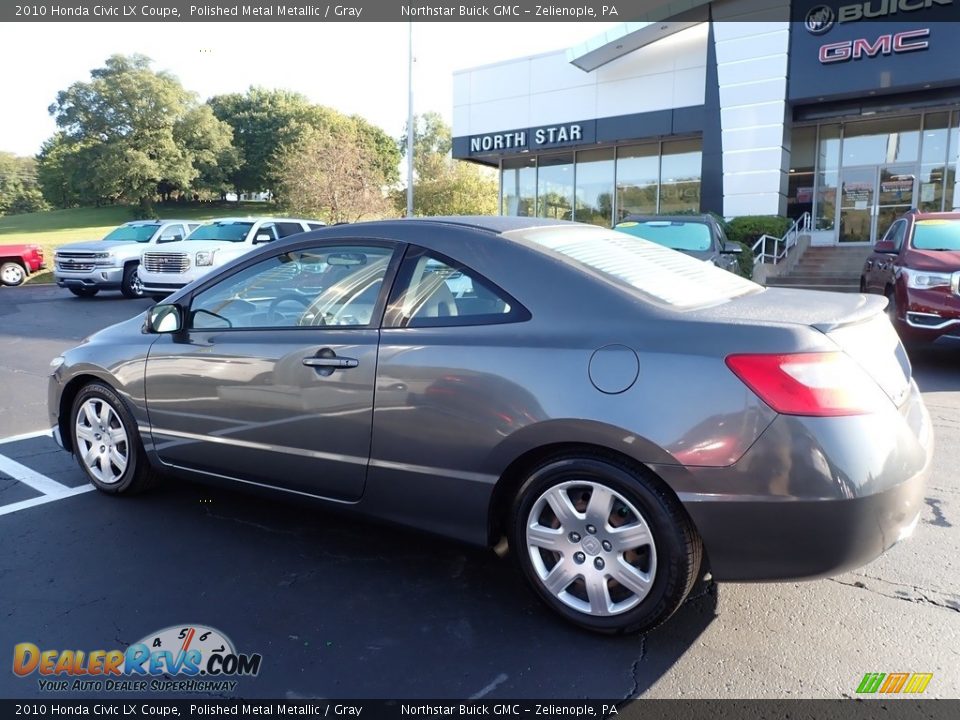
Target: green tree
{"points": [[19, 191], [268, 122], [126, 128], [334, 174], [442, 185]]}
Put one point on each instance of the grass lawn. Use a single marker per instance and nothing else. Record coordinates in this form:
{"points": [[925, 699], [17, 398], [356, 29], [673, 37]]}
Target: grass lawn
{"points": [[54, 228]]}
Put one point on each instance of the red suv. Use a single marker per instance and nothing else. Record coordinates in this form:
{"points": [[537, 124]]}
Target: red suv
{"points": [[19, 261], [917, 266]]}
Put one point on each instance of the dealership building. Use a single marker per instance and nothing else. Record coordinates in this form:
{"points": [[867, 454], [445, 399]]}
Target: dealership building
{"points": [[848, 111]]}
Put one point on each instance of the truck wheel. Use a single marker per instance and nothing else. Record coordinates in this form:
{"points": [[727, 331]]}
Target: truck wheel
{"points": [[131, 286], [84, 292], [12, 274]]}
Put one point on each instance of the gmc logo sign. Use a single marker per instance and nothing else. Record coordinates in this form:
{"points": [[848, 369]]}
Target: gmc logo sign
{"points": [[901, 42]]}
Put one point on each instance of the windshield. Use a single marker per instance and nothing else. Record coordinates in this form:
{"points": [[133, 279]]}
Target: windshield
{"points": [[225, 231], [132, 233], [936, 235], [675, 234], [663, 275]]}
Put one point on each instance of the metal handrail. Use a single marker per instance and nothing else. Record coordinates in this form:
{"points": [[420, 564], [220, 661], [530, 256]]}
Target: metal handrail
{"points": [[789, 240]]}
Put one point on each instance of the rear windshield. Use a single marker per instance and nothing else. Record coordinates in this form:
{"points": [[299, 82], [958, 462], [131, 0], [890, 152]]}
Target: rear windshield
{"points": [[663, 275], [132, 233], [675, 234], [936, 235], [225, 231]]}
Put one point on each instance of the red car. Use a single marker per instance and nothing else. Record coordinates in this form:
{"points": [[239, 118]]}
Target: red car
{"points": [[19, 261], [917, 267]]}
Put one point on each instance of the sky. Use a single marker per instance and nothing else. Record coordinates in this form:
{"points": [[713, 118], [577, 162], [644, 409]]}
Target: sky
{"points": [[356, 68]]}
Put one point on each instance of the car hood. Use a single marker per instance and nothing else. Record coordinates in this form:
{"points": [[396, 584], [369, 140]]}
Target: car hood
{"points": [[92, 245], [122, 332], [942, 260], [699, 254], [191, 246]]}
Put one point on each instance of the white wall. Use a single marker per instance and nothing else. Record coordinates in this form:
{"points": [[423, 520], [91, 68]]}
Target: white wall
{"points": [[752, 48], [546, 89]]}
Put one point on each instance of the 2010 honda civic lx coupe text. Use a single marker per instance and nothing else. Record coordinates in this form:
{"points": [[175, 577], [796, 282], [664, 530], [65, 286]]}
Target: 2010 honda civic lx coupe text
{"points": [[624, 415]]}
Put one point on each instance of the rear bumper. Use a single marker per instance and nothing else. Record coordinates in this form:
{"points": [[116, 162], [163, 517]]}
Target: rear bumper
{"points": [[814, 496]]}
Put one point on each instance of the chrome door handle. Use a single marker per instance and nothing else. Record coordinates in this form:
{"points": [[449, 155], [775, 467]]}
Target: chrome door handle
{"points": [[334, 362]]}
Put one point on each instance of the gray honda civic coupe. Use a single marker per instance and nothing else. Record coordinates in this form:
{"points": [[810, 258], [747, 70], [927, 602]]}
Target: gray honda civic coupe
{"points": [[622, 417]]}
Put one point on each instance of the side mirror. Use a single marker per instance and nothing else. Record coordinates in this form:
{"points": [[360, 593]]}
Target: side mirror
{"points": [[169, 238], [262, 238], [885, 246], [164, 319], [732, 248]]}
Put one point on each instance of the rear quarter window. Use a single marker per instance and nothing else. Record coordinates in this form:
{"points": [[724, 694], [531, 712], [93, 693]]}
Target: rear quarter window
{"points": [[664, 276]]}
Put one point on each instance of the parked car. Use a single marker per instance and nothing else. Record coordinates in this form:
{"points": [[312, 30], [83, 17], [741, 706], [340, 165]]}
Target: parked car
{"points": [[17, 262], [215, 243], [86, 268], [616, 411], [916, 266], [699, 236]]}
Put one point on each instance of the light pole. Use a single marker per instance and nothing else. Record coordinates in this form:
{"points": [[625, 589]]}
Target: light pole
{"points": [[410, 119]]}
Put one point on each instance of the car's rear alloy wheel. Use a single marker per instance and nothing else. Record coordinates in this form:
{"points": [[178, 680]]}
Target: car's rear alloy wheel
{"points": [[131, 286], [12, 274], [604, 544], [106, 442]]}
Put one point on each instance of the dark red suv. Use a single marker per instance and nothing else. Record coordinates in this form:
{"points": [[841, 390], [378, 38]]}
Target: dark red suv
{"points": [[917, 266]]}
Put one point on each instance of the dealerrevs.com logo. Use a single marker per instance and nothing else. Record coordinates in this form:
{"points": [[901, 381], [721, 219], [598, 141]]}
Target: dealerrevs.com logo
{"points": [[180, 658]]}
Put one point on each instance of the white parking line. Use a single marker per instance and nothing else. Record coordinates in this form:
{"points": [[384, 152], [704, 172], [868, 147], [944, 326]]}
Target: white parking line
{"points": [[40, 483], [43, 499], [51, 490], [27, 436]]}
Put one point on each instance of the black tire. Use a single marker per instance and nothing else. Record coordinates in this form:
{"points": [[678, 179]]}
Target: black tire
{"points": [[130, 285], [137, 475], [84, 292], [676, 548], [12, 274]]}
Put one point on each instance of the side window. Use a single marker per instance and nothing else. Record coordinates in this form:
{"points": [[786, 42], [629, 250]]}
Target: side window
{"points": [[315, 226], [289, 228], [897, 233], [171, 233], [191, 227], [304, 288], [265, 233], [434, 291]]}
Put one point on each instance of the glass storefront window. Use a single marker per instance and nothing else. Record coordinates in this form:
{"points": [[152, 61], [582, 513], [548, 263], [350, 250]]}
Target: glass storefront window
{"points": [[876, 142], [803, 155], [518, 183], [680, 177], [952, 152], [555, 187], [933, 155], [828, 164], [594, 187], [638, 173]]}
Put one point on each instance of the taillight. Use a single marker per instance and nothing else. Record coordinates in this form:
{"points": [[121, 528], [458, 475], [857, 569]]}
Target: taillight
{"points": [[815, 384]]}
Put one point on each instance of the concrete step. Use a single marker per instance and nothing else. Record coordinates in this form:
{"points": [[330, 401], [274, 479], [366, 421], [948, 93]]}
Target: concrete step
{"points": [[831, 287], [795, 278]]}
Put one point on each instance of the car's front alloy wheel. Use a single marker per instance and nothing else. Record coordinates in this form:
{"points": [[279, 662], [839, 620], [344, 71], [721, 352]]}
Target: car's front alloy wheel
{"points": [[604, 544], [106, 442]]}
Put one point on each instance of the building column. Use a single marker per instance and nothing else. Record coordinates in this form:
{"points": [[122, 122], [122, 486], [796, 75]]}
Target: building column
{"points": [[751, 40]]}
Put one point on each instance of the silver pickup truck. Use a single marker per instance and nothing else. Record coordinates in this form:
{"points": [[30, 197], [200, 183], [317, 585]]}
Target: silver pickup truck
{"points": [[86, 268]]}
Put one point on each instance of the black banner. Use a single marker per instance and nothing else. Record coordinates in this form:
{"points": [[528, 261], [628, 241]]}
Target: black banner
{"points": [[894, 709]]}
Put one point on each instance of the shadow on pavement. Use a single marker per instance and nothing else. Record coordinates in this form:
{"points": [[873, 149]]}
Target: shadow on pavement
{"points": [[937, 367], [338, 607]]}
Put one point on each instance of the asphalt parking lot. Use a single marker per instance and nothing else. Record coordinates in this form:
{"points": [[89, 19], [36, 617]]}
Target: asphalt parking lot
{"points": [[342, 608]]}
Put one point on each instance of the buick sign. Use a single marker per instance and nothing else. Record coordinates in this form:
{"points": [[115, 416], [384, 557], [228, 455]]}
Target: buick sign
{"points": [[819, 19]]}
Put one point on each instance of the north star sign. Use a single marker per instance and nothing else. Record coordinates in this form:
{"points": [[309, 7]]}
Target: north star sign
{"points": [[541, 137]]}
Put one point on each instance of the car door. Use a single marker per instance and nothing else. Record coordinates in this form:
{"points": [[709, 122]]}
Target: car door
{"points": [[271, 381], [880, 266]]}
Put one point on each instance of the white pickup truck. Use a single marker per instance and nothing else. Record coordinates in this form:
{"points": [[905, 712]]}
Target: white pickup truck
{"points": [[85, 268], [215, 243]]}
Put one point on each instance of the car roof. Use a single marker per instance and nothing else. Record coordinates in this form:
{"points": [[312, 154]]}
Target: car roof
{"points": [[497, 224], [917, 215]]}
